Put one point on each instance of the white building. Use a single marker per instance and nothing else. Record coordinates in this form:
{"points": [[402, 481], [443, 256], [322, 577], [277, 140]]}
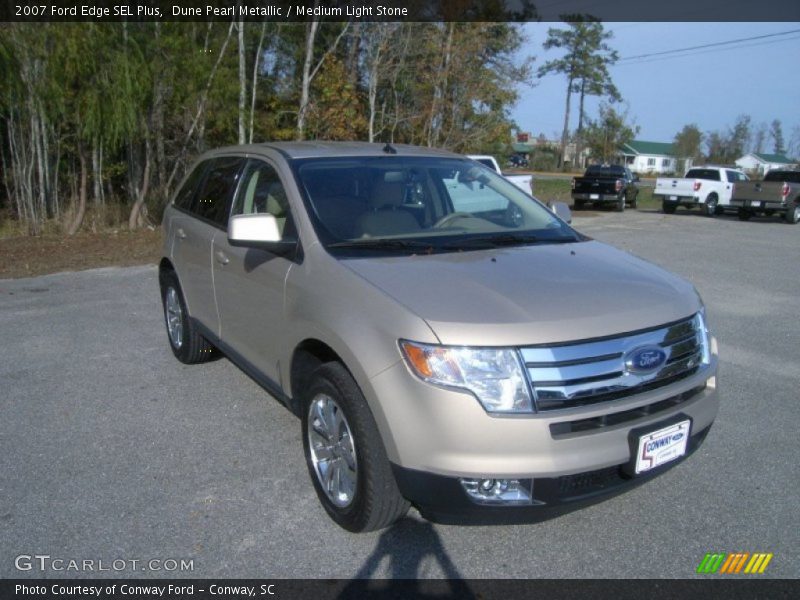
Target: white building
{"points": [[759, 163], [652, 158]]}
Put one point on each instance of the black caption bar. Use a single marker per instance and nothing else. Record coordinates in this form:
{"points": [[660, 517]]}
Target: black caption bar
{"points": [[397, 10], [486, 589]]}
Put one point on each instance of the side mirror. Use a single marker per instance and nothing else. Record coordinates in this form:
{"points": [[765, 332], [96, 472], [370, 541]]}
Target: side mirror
{"points": [[258, 231], [562, 210]]}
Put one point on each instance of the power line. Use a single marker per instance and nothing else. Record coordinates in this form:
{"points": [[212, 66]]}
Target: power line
{"points": [[715, 44], [706, 51]]}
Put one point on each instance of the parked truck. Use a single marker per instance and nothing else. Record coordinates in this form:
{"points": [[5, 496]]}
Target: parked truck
{"points": [[707, 187], [613, 184], [523, 182], [778, 193]]}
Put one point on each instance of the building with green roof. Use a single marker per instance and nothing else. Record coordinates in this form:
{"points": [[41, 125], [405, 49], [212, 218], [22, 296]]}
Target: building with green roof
{"points": [[759, 162], [651, 157]]}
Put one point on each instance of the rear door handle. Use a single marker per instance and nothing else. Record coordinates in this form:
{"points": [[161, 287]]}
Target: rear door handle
{"points": [[181, 233], [222, 258]]}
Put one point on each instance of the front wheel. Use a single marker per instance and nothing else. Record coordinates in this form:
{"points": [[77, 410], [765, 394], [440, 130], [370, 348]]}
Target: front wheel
{"points": [[345, 455], [620, 206], [635, 201], [793, 214]]}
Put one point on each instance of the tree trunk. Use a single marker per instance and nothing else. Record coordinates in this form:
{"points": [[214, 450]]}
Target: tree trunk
{"points": [[309, 73], [135, 219], [200, 109], [254, 86], [78, 220], [242, 83], [305, 84], [565, 131], [579, 134]]}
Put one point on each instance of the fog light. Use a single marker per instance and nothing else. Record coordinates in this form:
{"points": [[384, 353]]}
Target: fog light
{"points": [[499, 491]]}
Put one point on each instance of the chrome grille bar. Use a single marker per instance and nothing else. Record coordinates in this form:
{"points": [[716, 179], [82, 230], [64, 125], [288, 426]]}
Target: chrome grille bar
{"points": [[586, 372]]}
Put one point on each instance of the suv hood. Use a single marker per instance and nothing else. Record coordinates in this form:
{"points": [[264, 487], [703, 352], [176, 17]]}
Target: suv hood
{"points": [[531, 294]]}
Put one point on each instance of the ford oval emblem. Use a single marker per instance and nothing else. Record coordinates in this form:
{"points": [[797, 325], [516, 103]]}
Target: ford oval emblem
{"points": [[645, 359], [677, 437]]}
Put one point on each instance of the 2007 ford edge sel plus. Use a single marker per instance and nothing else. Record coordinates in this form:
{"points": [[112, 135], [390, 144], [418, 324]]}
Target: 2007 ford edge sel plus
{"points": [[447, 340]]}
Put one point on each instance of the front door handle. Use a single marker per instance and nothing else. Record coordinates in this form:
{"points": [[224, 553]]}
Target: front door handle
{"points": [[222, 258]]}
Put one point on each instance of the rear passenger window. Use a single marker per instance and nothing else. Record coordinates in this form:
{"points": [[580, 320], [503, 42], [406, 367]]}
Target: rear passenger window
{"points": [[184, 198], [214, 197]]}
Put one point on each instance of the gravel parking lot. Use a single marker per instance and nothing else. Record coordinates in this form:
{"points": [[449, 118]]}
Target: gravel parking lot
{"points": [[110, 449]]}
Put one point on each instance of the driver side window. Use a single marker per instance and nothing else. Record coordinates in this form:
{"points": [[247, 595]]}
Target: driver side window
{"points": [[261, 191]]}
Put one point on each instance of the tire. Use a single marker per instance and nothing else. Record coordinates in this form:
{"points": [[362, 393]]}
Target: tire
{"points": [[668, 207], [340, 438], [620, 205], [743, 215], [711, 207], [186, 343], [792, 215]]}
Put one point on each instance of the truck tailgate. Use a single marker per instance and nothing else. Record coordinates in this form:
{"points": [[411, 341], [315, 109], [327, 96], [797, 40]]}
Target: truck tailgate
{"points": [[757, 191], [668, 187]]}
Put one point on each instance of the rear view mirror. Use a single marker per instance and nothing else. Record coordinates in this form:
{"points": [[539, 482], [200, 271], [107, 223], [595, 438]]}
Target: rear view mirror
{"points": [[258, 231], [562, 210]]}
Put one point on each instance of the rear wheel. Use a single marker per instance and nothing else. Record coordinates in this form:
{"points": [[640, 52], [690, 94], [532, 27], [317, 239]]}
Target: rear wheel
{"points": [[668, 207], [793, 214], [711, 205], [743, 215], [345, 455], [185, 340]]}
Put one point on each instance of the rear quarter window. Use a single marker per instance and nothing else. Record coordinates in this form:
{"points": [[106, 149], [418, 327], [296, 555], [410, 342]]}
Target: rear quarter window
{"points": [[790, 176]]}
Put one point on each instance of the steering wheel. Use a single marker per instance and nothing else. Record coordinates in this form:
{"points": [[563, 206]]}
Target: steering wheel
{"points": [[452, 217]]}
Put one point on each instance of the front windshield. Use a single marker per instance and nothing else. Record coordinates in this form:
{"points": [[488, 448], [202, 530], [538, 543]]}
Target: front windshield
{"points": [[412, 203]]}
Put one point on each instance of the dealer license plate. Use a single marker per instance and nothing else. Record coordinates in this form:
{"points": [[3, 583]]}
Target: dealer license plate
{"points": [[662, 446], [673, 197], [594, 196]]}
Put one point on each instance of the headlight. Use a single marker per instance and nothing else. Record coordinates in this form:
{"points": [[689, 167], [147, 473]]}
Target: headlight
{"points": [[702, 330], [494, 375]]}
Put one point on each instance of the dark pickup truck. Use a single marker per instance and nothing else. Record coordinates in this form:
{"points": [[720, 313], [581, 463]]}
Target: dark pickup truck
{"points": [[606, 184], [778, 193]]}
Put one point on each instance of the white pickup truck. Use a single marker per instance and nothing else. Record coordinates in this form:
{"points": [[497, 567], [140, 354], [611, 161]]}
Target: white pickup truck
{"points": [[708, 187], [523, 182]]}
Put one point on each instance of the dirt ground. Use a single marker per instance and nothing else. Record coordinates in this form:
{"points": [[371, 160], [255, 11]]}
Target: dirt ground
{"points": [[28, 256]]}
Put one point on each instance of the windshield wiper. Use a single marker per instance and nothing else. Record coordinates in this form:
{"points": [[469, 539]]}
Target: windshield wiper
{"points": [[505, 239], [382, 244]]}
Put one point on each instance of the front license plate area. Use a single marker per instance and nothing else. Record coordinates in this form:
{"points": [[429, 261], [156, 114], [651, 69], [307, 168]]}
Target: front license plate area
{"points": [[662, 446], [657, 444]]}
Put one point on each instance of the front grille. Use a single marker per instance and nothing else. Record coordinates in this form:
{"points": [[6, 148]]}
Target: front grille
{"points": [[626, 416], [582, 373]]}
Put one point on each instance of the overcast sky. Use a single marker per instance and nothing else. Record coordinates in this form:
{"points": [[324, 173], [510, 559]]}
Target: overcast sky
{"points": [[710, 86]]}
